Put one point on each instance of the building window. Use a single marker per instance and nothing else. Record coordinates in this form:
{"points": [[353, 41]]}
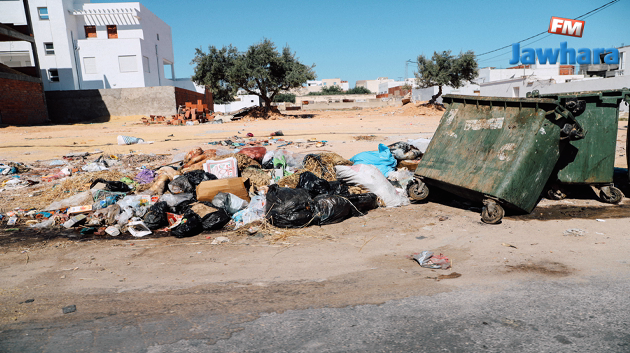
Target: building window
{"points": [[89, 65], [43, 13], [145, 64], [168, 70], [90, 31], [127, 63], [53, 75], [49, 49], [112, 32]]}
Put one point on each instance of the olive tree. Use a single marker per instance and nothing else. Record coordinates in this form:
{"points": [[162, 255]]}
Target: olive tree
{"points": [[444, 69], [262, 70]]}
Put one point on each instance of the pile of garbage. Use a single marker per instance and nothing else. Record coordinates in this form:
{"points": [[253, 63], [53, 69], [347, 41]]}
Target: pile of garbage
{"points": [[212, 189]]}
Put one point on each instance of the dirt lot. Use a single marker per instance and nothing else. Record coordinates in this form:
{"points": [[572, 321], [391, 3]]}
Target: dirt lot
{"points": [[361, 260]]}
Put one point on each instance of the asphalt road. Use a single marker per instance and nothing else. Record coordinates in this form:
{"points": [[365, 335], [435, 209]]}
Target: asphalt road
{"points": [[566, 315]]}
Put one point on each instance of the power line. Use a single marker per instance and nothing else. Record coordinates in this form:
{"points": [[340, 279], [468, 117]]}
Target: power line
{"points": [[543, 32]]}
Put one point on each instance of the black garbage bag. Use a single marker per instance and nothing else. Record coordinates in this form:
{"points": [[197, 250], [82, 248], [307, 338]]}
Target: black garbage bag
{"points": [[195, 177], [182, 207], [288, 208], [268, 164], [329, 209], [191, 225], [115, 186], [338, 188], [180, 185], [314, 185], [403, 151], [363, 202], [215, 220], [156, 218]]}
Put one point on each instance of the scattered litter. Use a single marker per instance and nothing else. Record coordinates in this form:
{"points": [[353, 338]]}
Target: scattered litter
{"points": [[509, 245], [220, 240], [576, 232], [69, 309], [429, 260], [600, 220], [130, 140], [138, 229]]}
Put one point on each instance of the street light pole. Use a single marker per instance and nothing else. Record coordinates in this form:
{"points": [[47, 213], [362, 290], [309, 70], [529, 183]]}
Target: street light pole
{"points": [[407, 67]]}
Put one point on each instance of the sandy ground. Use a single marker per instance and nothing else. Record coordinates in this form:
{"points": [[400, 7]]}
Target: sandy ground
{"points": [[362, 260]]}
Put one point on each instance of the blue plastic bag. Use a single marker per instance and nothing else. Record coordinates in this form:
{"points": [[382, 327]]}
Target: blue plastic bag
{"points": [[381, 159]]}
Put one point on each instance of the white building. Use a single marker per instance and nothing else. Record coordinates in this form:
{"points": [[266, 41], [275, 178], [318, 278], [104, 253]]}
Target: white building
{"points": [[318, 85], [373, 85], [87, 46]]}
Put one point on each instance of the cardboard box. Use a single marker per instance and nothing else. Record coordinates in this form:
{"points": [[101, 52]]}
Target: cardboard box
{"points": [[207, 190]]}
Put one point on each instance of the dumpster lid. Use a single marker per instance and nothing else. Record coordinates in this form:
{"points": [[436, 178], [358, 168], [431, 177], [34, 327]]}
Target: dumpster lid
{"points": [[498, 99], [617, 93]]}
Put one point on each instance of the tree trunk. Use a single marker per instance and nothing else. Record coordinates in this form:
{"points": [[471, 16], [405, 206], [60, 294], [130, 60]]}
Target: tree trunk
{"points": [[267, 101], [436, 96]]}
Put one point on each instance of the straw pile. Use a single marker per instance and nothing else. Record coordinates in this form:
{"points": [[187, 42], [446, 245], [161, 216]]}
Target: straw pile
{"points": [[291, 181], [257, 177], [322, 165], [77, 183], [364, 137]]}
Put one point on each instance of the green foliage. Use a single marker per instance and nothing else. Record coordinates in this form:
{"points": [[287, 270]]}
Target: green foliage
{"points": [[261, 70], [284, 97], [358, 90], [332, 90], [445, 69]]}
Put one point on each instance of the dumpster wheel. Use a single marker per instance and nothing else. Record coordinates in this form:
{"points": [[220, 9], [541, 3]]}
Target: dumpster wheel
{"points": [[556, 194], [610, 194], [492, 212], [417, 190]]}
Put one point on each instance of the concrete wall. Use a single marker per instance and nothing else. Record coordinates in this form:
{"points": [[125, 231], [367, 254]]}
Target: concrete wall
{"points": [[333, 98], [369, 103], [244, 101], [21, 100], [84, 105]]}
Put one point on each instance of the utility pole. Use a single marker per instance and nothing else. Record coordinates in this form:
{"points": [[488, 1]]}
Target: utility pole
{"points": [[407, 67]]}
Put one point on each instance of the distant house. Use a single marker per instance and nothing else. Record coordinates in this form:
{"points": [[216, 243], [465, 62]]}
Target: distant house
{"points": [[87, 46]]}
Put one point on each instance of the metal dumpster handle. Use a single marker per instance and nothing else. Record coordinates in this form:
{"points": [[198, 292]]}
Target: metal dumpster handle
{"points": [[573, 131]]}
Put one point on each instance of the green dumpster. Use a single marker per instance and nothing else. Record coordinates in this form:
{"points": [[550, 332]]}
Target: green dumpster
{"points": [[591, 160], [499, 151]]}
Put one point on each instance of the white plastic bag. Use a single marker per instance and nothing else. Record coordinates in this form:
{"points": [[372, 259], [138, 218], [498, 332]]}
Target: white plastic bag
{"points": [[255, 211], [44, 224], [229, 202], [294, 160], [400, 178], [174, 200], [372, 179]]}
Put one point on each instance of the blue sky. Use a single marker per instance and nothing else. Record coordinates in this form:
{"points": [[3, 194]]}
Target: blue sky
{"points": [[359, 40]]}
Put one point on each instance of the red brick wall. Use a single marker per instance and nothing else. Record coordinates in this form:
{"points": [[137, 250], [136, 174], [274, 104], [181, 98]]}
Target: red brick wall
{"points": [[22, 102], [183, 95]]}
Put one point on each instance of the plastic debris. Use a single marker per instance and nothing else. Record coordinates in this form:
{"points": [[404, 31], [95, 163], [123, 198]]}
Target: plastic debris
{"points": [[429, 260]]}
